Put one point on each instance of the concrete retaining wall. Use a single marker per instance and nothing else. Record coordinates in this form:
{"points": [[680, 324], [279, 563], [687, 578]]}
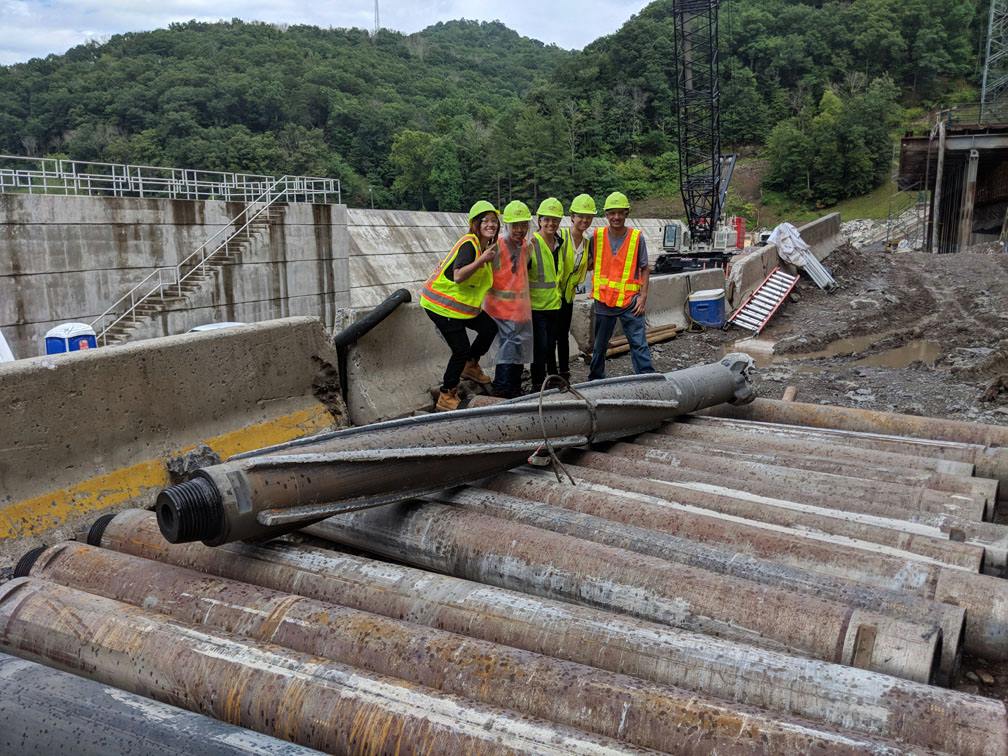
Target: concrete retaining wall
{"points": [[69, 258], [88, 432], [750, 270]]}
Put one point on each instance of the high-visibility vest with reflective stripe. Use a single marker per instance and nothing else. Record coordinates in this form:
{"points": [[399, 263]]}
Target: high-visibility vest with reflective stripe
{"points": [[544, 278], [615, 280], [572, 276], [508, 298], [456, 300]]}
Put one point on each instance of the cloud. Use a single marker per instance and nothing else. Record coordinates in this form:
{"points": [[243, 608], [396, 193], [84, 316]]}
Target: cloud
{"points": [[36, 28]]}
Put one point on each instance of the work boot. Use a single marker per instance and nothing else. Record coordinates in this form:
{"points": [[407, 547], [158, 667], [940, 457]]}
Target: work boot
{"points": [[448, 400], [473, 372]]}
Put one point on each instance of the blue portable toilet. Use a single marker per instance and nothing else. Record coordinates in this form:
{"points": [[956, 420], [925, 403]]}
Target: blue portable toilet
{"points": [[70, 337]]}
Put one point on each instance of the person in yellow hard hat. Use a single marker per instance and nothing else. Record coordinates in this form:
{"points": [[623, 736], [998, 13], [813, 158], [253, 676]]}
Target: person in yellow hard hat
{"points": [[453, 297], [508, 302], [545, 263], [620, 278], [575, 252]]}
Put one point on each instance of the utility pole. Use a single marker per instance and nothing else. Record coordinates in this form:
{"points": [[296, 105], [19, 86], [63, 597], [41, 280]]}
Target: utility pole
{"points": [[994, 85]]}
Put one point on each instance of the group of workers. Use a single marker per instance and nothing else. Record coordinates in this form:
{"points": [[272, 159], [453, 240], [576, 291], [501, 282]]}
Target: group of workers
{"points": [[519, 290]]}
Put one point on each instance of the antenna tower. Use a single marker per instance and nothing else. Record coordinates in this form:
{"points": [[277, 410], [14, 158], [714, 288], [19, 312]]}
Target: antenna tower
{"points": [[994, 88], [377, 18]]}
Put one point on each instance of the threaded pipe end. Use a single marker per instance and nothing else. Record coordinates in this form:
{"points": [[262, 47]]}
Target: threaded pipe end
{"points": [[190, 511], [25, 563], [94, 536]]}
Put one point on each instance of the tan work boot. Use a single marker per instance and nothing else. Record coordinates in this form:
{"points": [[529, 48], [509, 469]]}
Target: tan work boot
{"points": [[448, 400], [473, 372]]}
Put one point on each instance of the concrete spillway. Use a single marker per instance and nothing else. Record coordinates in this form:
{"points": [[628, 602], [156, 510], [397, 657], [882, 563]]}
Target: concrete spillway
{"points": [[666, 601]]}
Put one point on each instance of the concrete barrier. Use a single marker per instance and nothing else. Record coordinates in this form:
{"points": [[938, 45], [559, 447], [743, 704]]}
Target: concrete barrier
{"points": [[88, 432]]}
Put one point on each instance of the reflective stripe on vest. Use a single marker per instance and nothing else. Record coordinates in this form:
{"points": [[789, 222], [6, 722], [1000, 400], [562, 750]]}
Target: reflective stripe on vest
{"points": [[456, 300], [544, 279], [572, 274], [611, 280]]}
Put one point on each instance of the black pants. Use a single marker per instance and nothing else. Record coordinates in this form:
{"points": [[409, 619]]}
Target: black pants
{"points": [[544, 337], [564, 316], [507, 382], [454, 332]]}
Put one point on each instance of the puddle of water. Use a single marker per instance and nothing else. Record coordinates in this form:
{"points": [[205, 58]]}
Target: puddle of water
{"points": [[927, 352], [761, 350]]}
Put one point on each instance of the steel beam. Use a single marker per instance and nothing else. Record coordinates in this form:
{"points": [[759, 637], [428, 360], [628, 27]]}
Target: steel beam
{"points": [[287, 486], [841, 696], [511, 555], [306, 699], [617, 706], [45, 711]]}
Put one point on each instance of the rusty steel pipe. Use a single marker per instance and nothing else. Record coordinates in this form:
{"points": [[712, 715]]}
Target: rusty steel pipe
{"points": [[45, 711], [613, 705], [723, 561], [281, 488], [822, 489], [844, 697], [306, 699], [985, 598], [764, 451], [991, 537], [990, 454], [525, 558]]}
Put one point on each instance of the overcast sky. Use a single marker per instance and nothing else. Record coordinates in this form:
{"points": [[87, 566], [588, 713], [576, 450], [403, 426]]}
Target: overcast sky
{"points": [[36, 28]]}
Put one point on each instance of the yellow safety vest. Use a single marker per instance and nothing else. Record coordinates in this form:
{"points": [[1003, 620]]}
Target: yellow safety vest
{"points": [[571, 277], [615, 280], [456, 300], [544, 281]]}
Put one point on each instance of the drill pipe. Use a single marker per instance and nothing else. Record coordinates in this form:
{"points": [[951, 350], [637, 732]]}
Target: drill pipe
{"points": [[984, 597], [616, 706], [843, 697], [821, 489], [286, 486], [990, 452], [724, 561], [992, 537], [306, 699], [511, 555], [43, 710], [824, 458]]}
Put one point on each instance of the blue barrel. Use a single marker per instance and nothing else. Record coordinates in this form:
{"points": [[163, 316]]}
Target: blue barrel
{"points": [[707, 307]]}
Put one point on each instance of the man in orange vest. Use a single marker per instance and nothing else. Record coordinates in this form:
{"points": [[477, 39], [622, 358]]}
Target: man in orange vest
{"points": [[619, 287]]}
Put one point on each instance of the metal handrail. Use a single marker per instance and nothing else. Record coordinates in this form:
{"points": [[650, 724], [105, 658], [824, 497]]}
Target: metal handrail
{"points": [[294, 188]]}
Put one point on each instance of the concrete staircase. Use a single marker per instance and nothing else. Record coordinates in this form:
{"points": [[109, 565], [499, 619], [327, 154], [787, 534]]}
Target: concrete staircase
{"points": [[180, 297]]}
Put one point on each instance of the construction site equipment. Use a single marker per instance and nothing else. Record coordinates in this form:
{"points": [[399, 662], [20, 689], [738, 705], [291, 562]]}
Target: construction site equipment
{"points": [[845, 697], [287, 486], [621, 345], [763, 303], [793, 249], [617, 706], [262, 686], [356, 330], [510, 555], [43, 711]]}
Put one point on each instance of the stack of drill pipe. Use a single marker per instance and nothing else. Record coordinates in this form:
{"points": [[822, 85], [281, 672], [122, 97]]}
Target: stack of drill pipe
{"points": [[986, 446], [44, 711], [279, 489], [993, 538], [617, 706], [884, 601], [843, 697], [306, 699], [828, 525], [511, 555]]}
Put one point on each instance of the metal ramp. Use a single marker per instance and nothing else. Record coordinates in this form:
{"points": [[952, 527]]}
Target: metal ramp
{"points": [[761, 305]]}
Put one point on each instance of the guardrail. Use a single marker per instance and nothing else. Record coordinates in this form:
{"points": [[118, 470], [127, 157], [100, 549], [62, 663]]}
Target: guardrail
{"points": [[19, 174]]}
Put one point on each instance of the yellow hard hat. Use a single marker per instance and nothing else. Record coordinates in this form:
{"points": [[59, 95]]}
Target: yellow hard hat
{"points": [[583, 204], [550, 207], [516, 212], [479, 208], [617, 201]]}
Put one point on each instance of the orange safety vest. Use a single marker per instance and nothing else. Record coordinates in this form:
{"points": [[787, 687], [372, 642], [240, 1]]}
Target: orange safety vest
{"points": [[508, 298], [615, 280]]}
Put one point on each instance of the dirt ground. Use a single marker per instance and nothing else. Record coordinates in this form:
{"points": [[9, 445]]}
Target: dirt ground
{"points": [[905, 332]]}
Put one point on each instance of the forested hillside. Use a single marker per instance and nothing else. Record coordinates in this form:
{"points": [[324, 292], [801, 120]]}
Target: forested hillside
{"points": [[466, 109]]}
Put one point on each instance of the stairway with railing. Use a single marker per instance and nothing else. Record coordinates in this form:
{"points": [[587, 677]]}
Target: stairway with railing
{"points": [[171, 286]]}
